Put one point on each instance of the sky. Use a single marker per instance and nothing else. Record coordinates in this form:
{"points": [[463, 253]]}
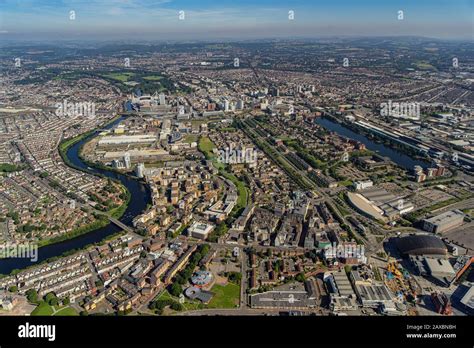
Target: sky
{"points": [[233, 19]]}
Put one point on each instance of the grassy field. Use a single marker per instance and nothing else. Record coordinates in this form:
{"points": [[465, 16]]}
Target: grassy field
{"points": [[66, 312], [227, 296], [153, 78], [43, 309], [241, 188], [122, 77], [206, 146], [345, 183], [8, 168], [423, 65], [190, 138], [188, 305], [46, 310]]}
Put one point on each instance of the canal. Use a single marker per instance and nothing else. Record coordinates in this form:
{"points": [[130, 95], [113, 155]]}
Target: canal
{"points": [[398, 157], [140, 197]]}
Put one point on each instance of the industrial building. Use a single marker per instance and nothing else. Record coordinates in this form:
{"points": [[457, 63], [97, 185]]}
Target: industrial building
{"points": [[361, 185], [289, 296], [467, 301], [128, 139], [379, 204], [439, 269], [340, 284], [444, 222], [369, 293]]}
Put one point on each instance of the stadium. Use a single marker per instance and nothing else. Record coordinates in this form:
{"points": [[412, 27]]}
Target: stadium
{"points": [[421, 244]]}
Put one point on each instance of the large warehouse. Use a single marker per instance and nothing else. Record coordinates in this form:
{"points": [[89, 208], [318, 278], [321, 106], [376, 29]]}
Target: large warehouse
{"points": [[421, 244], [444, 222]]}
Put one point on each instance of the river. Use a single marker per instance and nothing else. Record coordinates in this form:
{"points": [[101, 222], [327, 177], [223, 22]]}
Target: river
{"points": [[396, 156], [140, 197]]}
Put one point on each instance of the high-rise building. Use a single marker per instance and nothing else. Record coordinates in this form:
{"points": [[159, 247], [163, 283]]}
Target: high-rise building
{"points": [[418, 169], [140, 170], [72, 204], [441, 170], [420, 177], [162, 99], [126, 160]]}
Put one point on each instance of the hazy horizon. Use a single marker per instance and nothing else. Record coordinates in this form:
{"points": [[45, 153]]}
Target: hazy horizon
{"points": [[163, 20]]}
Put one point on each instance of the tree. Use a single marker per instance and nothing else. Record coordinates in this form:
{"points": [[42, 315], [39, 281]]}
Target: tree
{"points": [[179, 279], [235, 277], [13, 288], [300, 277], [176, 289], [32, 295], [50, 297], [176, 306]]}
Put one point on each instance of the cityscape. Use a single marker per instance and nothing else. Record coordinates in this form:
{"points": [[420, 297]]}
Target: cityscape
{"points": [[272, 176]]}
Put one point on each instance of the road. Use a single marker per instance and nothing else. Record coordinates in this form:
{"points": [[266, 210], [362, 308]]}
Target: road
{"points": [[248, 311], [244, 280]]}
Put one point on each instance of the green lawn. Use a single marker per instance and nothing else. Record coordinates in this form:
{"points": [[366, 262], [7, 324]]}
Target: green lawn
{"points": [[188, 304], [46, 310], [122, 77], [225, 296], [190, 138], [241, 188], [43, 309], [66, 312], [206, 146], [8, 168], [153, 78], [423, 65]]}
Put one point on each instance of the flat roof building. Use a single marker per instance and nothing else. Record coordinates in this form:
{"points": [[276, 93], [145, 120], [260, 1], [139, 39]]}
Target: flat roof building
{"points": [[288, 296], [371, 294], [444, 222], [468, 300], [128, 139], [200, 230]]}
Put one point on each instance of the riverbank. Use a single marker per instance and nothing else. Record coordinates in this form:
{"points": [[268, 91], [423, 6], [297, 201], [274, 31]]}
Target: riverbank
{"points": [[98, 223], [66, 253], [403, 159], [137, 199], [116, 213], [405, 149]]}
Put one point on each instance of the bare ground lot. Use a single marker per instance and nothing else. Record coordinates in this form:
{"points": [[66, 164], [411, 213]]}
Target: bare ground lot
{"points": [[463, 235]]}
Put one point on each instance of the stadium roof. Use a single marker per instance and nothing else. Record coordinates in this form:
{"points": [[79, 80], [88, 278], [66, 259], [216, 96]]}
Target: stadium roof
{"points": [[421, 244]]}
